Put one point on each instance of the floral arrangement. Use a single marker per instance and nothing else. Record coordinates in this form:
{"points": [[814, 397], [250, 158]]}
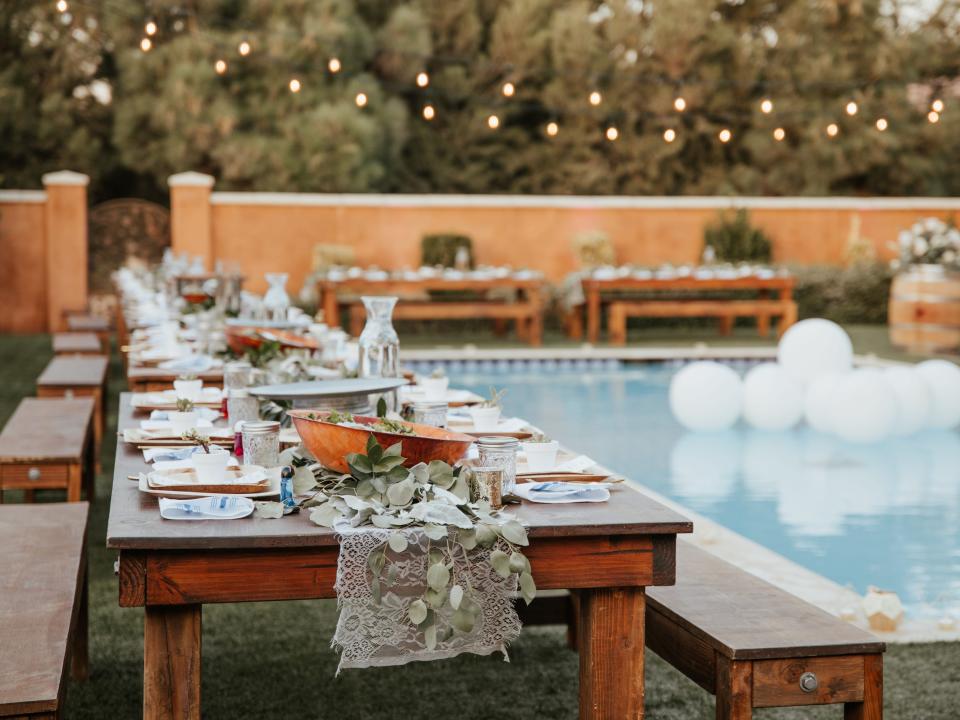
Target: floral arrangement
{"points": [[930, 242]]}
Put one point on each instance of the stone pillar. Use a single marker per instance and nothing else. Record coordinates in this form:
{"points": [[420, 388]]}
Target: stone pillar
{"points": [[191, 226], [65, 217]]}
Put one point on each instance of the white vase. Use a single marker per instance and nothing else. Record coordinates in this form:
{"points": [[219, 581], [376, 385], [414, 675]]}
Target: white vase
{"points": [[181, 422], [541, 456], [210, 467], [485, 419], [188, 389], [434, 388]]}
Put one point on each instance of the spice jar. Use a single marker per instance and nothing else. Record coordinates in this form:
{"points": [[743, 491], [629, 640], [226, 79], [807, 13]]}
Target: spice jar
{"points": [[261, 442], [429, 412], [500, 452], [241, 406]]}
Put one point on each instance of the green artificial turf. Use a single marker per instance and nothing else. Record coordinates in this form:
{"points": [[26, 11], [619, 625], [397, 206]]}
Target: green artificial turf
{"points": [[273, 660]]}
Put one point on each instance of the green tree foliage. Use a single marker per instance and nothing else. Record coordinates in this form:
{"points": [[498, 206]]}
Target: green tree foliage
{"points": [[171, 111]]}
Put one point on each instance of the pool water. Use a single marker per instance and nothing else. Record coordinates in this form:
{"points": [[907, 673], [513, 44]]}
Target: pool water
{"points": [[886, 515]]}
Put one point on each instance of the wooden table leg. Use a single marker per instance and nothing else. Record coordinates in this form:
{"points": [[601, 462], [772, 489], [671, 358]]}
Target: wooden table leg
{"points": [[171, 662], [593, 314], [872, 706], [734, 688], [75, 476], [611, 639], [331, 312]]}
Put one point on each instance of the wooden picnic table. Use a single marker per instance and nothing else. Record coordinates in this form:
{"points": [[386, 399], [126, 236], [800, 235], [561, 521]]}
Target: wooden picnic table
{"points": [[79, 376], [84, 322], [76, 343], [596, 291], [415, 303], [607, 552]]}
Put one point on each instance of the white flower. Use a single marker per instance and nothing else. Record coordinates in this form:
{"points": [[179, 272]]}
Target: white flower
{"points": [[905, 239], [920, 246], [933, 224], [949, 257]]}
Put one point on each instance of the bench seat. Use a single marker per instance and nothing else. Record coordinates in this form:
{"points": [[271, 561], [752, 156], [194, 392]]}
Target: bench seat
{"points": [[76, 343], [79, 376]]}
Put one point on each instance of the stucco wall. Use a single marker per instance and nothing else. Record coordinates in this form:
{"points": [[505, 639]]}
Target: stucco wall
{"points": [[23, 269]]}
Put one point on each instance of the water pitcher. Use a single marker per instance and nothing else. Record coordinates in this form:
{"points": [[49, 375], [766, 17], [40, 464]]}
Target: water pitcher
{"points": [[379, 344], [276, 301]]}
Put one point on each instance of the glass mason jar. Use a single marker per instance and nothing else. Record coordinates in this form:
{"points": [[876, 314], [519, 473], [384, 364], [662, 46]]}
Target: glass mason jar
{"points": [[276, 301], [261, 442], [236, 375], [429, 412], [379, 344], [500, 452], [241, 406]]}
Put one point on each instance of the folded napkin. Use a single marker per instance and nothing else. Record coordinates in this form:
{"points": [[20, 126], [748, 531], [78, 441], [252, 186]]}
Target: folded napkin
{"points": [[217, 507], [254, 476], [165, 424], [190, 363], [562, 492], [162, 454], [578, 464], [203, 413], [187, 463]]}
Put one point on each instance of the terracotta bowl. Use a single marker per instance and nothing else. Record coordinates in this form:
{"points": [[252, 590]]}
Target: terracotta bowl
{"points": [[331, 443], [240, 338]]}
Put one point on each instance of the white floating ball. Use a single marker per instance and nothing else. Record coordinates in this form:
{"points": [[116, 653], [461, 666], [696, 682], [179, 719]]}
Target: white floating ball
{"points": [[865, 407], [818, 401], [706, 396], [772, 399], [943, 382], [815, 347], [913, 398], [704, 467]]}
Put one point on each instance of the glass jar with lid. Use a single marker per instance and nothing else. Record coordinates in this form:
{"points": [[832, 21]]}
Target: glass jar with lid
{"points": [[498, 451], [428, 412], [261, 442]]}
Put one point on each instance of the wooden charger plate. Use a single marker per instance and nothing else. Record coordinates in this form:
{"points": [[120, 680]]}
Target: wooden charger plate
{"points": [[269, 487]]}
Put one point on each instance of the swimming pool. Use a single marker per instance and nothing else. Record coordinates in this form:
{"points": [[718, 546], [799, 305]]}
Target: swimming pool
{"points": [[885, 515]]}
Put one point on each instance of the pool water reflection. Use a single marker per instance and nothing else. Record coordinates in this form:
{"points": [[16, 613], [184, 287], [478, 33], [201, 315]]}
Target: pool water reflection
{"points": [[885, 514]]}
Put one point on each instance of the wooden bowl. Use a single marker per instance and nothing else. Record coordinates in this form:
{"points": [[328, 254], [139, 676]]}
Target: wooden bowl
{"points": [[331, 443], [240, 338]]}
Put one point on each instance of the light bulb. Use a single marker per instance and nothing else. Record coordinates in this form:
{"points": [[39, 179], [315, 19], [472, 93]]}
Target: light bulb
{"points": [[62, 6], [244, 48], [150, 28], [333, 65], [612, 133], [881, 124], [220, 66], [833, 129], [669, 135], [779, 134], [725, 135], [361, 99], [766, 106], [145, 44], [595, 98], [851, 108], [679, 104], [294, 85], [508, 89], [423, 79], [552, 129], [933, 116], [493, 122], [937, 105], [429, 113]]}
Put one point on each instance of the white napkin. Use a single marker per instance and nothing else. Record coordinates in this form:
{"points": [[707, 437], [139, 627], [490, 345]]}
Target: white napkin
{"points": [[167, 454], [165, 424], [562, 492], [578, 464], [255, 476], [204, 413], [188, 463], [217, 507], [189, 363]]}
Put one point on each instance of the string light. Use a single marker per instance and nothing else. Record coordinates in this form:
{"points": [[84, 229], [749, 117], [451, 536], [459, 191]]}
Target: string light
{"points": [[933, 116], [679, 104], [493, 122], [244, 48], [595, 98], [833, 129], [508, 89], [851, 108], [429, 113], [725, 135], [937, 105], [766, 106], [779, 134], [294, 85], [612, 133], [333, 65], [669, 135], [423, 79], [361, 99], [220, 66], [150, 28], [881, 124], [552, 129], [145, 44], [62, 6]]}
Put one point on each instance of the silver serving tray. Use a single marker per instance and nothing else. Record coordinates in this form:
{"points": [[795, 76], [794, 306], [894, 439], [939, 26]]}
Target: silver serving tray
{"points": [[350, 394]]}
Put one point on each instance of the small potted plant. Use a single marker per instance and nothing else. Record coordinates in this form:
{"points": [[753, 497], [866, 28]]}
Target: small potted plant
{"points": [[184, 418], [435, 386], [541, 453], [209, 463], [486, 415], [188, 387]]}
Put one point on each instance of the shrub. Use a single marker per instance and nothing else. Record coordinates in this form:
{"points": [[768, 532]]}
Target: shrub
{"points": [[855, 294], [734, 239], [442, 249]]}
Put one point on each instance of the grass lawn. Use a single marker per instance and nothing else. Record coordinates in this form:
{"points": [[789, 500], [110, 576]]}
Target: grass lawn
{"points": [[272, 660]]}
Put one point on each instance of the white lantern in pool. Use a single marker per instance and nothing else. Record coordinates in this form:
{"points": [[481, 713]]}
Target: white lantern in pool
{"points": [[772, 399], [818, 401], [943, 382], [864, 407], [913, 398], [815, 347], [706, 396]]}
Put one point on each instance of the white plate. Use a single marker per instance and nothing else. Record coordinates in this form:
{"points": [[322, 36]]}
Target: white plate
{"points": [[160, 492]]}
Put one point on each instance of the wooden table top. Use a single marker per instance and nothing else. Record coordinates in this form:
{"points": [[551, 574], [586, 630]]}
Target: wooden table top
{"points": [[73, 370], [78, 342], [41, 563], [47, 429], [135, 521], [691, 283], [437, 283], [141, 373]]}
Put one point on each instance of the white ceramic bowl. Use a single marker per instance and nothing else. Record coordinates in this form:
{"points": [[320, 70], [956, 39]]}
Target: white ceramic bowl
{"points": [[541, 456], [188, 389], [181, 422], [485, 419]]}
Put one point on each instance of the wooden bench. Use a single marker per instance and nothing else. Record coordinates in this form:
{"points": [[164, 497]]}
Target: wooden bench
{"points": [[755, 646], [48, 443], [43, 606], [79, 376], [76, 343], [726, 310], [85, 322]]}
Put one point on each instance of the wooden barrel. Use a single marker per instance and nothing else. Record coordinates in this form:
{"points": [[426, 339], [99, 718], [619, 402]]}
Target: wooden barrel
{"points": [[924, 312]]}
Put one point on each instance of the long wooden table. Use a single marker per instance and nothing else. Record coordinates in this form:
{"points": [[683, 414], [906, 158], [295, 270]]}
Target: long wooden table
{"points": [[608, 552]]}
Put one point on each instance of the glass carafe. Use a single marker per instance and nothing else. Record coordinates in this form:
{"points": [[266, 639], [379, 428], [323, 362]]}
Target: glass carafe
{"points": [[276, 301], [379, 344]]}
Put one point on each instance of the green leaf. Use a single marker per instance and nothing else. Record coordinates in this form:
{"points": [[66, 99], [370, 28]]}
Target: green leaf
{"points": [[395, 450], [438, 576], [456, 596], [501, 563], [379, 484], [462, 621], [440, 473], [420, 473], [365, 489], [325, 515], [359, 463], [397, 542], [467, 539], [518, 562], [486, 537], [461, 488], [376, 561], [381, 407], [417, 612], [373, 447], [381, 521], [399, 474], [430, 637], [375, 591], [514, 532], [435, 532], [401, 493], [391, 575], [387, 464], [528, 588], [435, 598]]}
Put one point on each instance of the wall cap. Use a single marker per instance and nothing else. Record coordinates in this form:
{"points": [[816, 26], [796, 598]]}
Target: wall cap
{"points": [[66, 177], [22, 196], [191, 179]]}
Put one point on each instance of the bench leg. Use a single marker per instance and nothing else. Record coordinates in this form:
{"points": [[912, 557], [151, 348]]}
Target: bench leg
{"points": [[617, 325], [763, 324], [499, 327], [79, 657], [535, 330], [75, 481], [872, 706], [726, 324], [734, 689], [788, 318], [171, 662]]}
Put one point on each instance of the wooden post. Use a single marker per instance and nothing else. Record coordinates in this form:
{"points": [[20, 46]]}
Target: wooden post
{"points": [[171, 662], [611, 636], [872, 706], [593, 312], [734, 688], [191, 216], [65, 217]]}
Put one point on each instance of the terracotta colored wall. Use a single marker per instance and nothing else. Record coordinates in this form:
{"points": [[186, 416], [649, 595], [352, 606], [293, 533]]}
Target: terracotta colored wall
{"points": [[23, 291], [272, 232]]}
